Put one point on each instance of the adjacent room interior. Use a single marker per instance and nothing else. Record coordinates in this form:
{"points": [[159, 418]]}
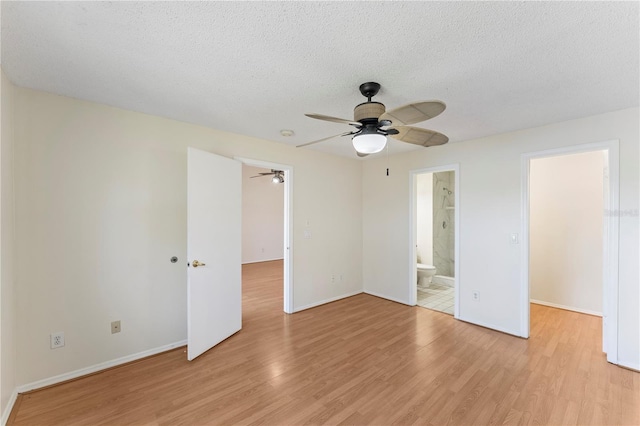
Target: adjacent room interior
{"points": [[263, 224], [567, 232], [566, 222], [436, 240]]}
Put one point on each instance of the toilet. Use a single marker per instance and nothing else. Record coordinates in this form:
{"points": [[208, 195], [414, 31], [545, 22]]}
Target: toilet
{"points": [[425, 272]]}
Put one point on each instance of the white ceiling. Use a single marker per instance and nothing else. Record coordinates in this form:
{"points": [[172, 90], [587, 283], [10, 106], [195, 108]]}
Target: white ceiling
{"points": [[255, 67]]}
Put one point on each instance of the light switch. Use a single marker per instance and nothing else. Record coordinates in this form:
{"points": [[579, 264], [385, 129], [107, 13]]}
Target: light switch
{"points": [[515, 239]]}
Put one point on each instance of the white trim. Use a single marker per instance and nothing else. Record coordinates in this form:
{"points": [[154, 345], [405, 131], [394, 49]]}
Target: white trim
{"points": [[413, 240], [413, 279], [567, 308], [491, 326], [611, 261], [631, 366], [610, 240], [524, 248], [288, 225], [323, 302], [264, 260], [98, 367], [393, 299], [7, 410]]}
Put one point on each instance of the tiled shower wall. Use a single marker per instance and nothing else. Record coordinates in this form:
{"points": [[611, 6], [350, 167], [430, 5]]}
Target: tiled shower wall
{"points": [[443, 223]]}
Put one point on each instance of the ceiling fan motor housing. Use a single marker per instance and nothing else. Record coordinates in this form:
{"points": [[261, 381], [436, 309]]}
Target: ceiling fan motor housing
{"points": [[368, 111]]}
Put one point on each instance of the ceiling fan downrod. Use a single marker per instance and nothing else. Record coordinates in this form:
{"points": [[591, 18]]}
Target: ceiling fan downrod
{"points": [[368, 112]]}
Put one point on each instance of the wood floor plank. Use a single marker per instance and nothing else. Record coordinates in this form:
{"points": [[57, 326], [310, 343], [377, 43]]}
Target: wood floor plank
{"points": [[358, 361]]}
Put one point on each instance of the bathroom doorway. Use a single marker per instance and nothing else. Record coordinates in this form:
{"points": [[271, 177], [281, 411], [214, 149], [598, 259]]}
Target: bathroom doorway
{"points": [[435, 246]]}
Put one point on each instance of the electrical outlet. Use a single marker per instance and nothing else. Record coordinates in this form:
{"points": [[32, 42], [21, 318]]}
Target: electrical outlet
{"points": [[476, 295], [115, 327], [57, 340]]}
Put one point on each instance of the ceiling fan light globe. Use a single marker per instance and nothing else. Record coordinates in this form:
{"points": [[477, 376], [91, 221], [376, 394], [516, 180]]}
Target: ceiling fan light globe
{"points": [[275, 179], [369, 143]]}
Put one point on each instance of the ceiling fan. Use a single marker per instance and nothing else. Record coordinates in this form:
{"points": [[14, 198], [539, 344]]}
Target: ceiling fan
{"points": [[373, 123], [278, 176]]}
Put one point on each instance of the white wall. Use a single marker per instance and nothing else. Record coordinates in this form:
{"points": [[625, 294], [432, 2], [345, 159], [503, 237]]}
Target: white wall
{"points": [[101, 207], [7, 294], [262, 217], [424, 217], [490, 177], [566, 240]]}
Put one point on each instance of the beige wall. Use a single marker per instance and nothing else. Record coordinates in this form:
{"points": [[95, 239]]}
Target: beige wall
{"points": [[7, 292], [490, 210], [262, 216], [566, 239], [101, 207]]}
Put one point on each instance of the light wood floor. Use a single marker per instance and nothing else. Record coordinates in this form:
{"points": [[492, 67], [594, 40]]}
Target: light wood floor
{"points": [[361, 360]]}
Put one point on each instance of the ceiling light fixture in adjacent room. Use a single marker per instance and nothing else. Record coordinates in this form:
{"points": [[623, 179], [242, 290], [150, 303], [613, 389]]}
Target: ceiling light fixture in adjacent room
{"points": [[278, 177]]}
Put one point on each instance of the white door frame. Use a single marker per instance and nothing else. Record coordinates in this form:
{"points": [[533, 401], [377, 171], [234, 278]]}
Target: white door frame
{"points": [[610, 239], [413, 226], [288, 224]]}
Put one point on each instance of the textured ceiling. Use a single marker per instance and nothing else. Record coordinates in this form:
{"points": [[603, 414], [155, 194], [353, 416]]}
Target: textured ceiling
{"points": [[256, 67]]}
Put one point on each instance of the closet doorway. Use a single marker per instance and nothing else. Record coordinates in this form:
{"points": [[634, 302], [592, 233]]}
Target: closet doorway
{"points": [[571, 225]]}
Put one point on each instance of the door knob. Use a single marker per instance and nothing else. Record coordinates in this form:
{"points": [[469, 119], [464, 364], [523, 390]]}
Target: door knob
{"points": [[196, 263]]}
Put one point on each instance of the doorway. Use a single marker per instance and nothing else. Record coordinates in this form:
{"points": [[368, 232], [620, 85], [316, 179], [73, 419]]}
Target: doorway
{"points": [[434, 265], [266, 248], [214, 184], [566, 207], [570, 238], [262, 215]]}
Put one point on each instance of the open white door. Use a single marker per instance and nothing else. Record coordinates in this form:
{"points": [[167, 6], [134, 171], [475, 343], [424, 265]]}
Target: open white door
{"points": [[214, 215]]}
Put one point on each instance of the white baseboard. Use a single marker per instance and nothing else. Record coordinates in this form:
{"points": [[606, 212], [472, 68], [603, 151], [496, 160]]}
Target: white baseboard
{"points": [[566, 308], [630, 365], [263, 260], [7, 410], [97, 367], [322, 302], [491, 326], [404, 302]]}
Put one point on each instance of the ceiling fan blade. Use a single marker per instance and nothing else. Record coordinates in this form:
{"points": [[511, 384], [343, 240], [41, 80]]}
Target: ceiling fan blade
{"points": [[414, 113], [324, 139], [360, 154], [418, 136], [334, 119]]}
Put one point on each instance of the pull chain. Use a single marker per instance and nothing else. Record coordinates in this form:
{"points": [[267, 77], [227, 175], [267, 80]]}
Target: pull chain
{"points": [[387, 158]]}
